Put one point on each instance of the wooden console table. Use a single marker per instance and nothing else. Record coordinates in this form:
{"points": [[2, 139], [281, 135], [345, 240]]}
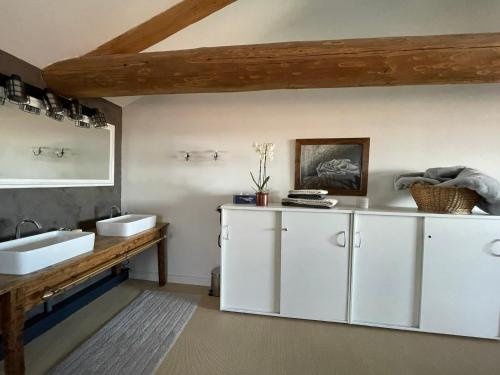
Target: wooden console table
{"points": [[19, 294]]}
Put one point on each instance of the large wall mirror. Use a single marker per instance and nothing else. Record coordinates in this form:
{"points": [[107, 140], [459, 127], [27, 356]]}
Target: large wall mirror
{"points": [[38, 151]]}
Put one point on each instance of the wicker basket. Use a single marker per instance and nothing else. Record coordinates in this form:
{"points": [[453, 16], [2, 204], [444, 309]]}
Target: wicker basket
{"points": [[444, 200]]}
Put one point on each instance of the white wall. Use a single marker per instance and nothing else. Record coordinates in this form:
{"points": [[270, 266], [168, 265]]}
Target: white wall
{"points": [[411, 128]]}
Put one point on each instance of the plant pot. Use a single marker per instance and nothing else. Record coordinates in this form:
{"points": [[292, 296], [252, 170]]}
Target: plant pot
{"points": [[261, 199]]}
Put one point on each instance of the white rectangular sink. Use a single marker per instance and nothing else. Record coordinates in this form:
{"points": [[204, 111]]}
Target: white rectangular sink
{"points": [[30, 254], [125, 225]]}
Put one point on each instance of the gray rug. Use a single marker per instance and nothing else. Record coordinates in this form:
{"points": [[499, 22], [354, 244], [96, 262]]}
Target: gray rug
{"points": [[136, 340]]}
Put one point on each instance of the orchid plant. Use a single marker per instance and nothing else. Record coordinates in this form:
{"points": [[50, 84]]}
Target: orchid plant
{"points": [[266, 153]]}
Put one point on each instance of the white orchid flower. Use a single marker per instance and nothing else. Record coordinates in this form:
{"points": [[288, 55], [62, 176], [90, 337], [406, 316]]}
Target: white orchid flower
{"points": [[266, 153]]}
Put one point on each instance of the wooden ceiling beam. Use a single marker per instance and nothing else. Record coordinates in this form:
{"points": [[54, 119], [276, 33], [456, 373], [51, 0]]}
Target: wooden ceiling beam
{"points": [[160, 27], [441, 59]]}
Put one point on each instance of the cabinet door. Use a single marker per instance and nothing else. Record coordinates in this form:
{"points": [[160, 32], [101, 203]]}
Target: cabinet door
{"points": [[314, 265], [461, 280], [386, 270], [250, 260]]}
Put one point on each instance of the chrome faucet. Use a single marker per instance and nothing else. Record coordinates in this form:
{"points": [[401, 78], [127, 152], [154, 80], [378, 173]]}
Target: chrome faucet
{"points": [[64, 229], [24, 221], [118, 211]]}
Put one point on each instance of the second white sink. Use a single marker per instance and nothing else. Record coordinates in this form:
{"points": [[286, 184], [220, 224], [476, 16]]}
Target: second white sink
{"points": [[126, 225]]}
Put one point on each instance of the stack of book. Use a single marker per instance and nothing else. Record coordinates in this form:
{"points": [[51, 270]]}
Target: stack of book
{"points": [[308, 198]]}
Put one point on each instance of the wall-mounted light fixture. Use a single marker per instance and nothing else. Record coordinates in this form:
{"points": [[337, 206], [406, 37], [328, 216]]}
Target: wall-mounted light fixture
{"points": [[98, 119], [75, 110], [76, 114], [2, 95], [15, 90], [32, 107], [53, 106], [33, 100], [82, 124]]}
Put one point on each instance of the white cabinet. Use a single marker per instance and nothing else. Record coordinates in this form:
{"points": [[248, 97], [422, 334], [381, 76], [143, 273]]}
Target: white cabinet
{"points": [[386, 269], [401, 269], [461, 279], [250, 260], [315, 265]]}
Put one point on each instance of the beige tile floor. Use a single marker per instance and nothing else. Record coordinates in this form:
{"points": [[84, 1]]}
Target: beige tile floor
{"points": [[222, 343]]}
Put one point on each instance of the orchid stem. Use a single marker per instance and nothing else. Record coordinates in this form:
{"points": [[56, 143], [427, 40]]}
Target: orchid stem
{"points": [[265, 163], [260, 174]]}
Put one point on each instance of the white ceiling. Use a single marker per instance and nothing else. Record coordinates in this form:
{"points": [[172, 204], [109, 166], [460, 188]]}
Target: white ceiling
{"points": [[44, 31]]}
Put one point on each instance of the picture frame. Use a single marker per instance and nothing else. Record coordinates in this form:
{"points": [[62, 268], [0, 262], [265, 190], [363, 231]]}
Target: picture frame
{"points": [[339, 165]]}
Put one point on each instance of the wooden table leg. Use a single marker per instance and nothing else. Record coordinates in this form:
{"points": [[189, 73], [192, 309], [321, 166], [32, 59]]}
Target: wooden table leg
{"points": [[162, 260], [12, 308]]}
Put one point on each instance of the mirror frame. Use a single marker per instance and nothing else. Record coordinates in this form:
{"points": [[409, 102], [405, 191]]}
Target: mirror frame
{"points": [[12, 183]]}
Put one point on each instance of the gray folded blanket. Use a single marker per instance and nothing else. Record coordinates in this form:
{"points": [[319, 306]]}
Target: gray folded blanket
{"points": [[307, 196], [321, 203], [304, 205], [487, 187]]}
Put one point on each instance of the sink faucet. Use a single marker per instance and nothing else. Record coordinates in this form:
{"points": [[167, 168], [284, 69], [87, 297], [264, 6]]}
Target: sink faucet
{"points": [[64, 229], [24, 221], [118, 211]]}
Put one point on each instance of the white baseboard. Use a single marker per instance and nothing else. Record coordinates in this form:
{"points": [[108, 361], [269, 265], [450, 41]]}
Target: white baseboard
{"points": [[171, 278], [193, 280]]}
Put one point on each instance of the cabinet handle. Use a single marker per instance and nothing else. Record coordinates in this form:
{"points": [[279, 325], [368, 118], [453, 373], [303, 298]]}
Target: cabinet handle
{"points": [[357, 240], [495, 248], [225, 232], [284, 229], [344, 239]]}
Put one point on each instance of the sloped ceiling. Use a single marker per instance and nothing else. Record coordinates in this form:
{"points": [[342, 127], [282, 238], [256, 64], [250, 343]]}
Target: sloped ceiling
{"points": [[45, 31]]}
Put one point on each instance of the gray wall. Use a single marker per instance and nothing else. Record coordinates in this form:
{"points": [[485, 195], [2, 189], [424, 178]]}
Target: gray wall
{"points": [[59, 207]]}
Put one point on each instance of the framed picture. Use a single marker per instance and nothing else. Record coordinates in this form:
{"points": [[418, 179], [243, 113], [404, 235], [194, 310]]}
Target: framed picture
{"points": [[339, 165]]}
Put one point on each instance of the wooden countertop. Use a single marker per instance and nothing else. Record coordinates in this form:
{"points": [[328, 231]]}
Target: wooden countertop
{"points": [[105, 247], [19, 294]]}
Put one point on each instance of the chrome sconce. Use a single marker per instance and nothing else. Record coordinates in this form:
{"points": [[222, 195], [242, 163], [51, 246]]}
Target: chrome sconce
{"points": [[30, 108], [82, 124], [76, 114], [33, 100], [2, 95], [15, 90], [75, 111], [98, 119], [53, 106]]}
